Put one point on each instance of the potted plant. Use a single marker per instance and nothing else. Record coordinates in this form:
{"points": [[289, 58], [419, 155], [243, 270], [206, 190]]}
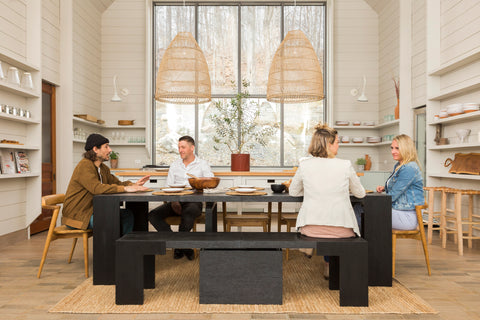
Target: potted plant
{"points": [[114, 159], [237, 125], [360, 163]]}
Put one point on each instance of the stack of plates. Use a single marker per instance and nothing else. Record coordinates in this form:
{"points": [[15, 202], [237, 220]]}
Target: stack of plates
{"points": [[345, 139], [369, 123], [356, 123], [455, 109], [342, 123], [357, 140], [471, 107], [374, 139]]}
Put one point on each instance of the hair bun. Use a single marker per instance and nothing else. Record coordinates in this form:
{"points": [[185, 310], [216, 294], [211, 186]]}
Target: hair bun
{"points": [[322, 126]]}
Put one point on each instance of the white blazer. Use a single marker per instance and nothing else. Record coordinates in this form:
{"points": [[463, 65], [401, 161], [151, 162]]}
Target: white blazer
{"points": [[325, 184]]}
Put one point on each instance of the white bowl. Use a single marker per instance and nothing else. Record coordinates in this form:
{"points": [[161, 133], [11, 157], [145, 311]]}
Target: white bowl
{"points": [[455, 109], [374, 139], [345, 139], [342, 123], [245, 190], [172, 190], [369, 123], [248, 186], [471, 107], [177, 186], [357, 140], [356, 123]]}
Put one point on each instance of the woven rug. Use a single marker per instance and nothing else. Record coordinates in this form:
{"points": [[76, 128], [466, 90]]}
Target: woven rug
{"points": [[177, 286]]}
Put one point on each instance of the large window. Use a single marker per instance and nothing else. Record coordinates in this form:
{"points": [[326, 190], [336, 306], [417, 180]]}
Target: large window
{"points": [[239, 42]]}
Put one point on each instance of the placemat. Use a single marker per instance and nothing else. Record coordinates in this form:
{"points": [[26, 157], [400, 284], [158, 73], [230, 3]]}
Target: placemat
{"points": [[255, 193], [256, 188], [185, 188], [140, 191], [182, 193]]}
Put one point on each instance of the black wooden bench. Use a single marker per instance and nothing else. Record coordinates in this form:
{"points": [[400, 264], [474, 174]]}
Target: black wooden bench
{"points": [[239, 267]]}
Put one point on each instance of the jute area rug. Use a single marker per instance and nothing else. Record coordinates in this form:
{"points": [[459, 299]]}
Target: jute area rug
{"points": [[177, 286]]}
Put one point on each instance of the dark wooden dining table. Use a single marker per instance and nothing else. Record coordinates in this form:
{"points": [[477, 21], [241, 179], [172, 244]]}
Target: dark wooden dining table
{"points": [[376, 226]]}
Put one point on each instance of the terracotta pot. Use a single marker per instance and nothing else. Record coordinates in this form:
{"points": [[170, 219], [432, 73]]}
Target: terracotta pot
{"points": [[240, 162], [397, 110], [114, 163], [368, 163]]}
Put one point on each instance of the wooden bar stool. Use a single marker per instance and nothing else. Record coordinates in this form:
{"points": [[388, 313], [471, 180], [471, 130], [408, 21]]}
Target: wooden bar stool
{"points": [[288, 219], [454, 220], [432, 214], [247, 219]]}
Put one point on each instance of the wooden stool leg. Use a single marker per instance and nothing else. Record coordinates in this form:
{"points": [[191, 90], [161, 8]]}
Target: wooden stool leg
{"points": [[443, 220], [45, 251], [458, 216], [85, 252], [470, 220], [394, 245], [431, 198], [425, 249], [73, 249]]}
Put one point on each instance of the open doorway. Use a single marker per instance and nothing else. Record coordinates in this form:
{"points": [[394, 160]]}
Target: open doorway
{"points": [[421, 137], [48, 155]]}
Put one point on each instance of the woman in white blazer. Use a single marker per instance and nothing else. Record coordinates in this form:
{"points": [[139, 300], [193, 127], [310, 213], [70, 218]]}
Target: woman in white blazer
{"points": [[325, 183]]}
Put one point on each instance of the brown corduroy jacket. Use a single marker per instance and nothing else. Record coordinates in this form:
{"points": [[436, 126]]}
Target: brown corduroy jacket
{"points": [[84, 184]]}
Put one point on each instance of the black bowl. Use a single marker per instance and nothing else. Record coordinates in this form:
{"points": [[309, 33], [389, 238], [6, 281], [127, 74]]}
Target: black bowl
{"points": [[278, 188]]}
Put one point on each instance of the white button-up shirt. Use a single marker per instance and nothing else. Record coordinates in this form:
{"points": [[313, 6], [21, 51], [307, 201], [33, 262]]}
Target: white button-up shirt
{"points": [[177, 174]]}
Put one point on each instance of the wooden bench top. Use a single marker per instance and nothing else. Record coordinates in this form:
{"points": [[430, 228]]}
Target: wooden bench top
{"points": [[236, 240]]}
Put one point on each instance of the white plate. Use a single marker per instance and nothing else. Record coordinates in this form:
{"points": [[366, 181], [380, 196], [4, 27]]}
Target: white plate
{"points": [[168, 190], [176, 186], [245, 190], [246, 186]]}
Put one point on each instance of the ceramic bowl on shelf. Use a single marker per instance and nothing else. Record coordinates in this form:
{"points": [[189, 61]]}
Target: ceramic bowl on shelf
{"points": [[443, 114], [345, 139], [455, 109], [342, 123], [374, 139], [357, 139], [471, 107], [356, 123], [369, 123]]}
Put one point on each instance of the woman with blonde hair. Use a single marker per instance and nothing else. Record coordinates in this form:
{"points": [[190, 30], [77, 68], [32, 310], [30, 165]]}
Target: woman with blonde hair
{"points": [[325, 182], [405, 184]]}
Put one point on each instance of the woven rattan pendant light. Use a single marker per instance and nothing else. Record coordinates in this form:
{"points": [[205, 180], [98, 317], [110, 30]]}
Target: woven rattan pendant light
{"points": [[183, 76], [295, 75]]}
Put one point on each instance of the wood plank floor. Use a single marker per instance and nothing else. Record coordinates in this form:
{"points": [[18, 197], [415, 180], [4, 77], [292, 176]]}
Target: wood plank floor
{"points": [[453, 289]]}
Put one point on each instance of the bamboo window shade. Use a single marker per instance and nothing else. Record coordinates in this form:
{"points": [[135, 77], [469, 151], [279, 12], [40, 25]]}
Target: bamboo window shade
{"points": [[295, 75], [183, 76]]}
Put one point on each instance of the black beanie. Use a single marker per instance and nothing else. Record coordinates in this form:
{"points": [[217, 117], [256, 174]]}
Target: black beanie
{"points": [[95, 140]]}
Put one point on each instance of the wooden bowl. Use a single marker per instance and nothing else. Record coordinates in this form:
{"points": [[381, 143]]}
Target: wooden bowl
{"points": [[125, 122], [204, 183]]}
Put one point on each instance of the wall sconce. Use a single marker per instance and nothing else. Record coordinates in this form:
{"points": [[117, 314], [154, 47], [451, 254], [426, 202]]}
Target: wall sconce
{"points": [[362, 97], [116, 97]]}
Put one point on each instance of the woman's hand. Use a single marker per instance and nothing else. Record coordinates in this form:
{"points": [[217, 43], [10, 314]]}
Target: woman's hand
{"points": [[380, 189], [142, 181], [134, 188]]}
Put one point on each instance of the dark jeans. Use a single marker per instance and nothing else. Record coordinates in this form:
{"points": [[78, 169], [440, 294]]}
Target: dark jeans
{"points": [[190, 211]]}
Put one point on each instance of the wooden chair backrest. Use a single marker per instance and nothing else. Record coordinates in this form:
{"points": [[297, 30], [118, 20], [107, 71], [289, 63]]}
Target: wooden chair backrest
{"points": [[52, 202]]}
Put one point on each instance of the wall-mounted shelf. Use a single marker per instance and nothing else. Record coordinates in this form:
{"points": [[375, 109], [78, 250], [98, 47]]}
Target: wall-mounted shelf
{"points": [[18, 146], [455, 176], [351, 144], [18, 119], [456, 63], [19, 175], [457, 90], [126, 144], [378, 126], [17, 90], [456, 146], [125, 127], [460, 118], [18, 63], [88, 123]]}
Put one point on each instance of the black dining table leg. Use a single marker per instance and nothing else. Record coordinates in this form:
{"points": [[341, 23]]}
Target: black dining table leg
{"points": [[211, 217]]}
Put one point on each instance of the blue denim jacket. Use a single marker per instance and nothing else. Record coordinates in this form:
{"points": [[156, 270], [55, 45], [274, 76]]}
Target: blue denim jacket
{"points": [[405, 186]]}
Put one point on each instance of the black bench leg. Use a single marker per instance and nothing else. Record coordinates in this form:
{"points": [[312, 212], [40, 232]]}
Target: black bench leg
{"points": [[148, 271], [354, 278], [334, 273], [128, 274]]}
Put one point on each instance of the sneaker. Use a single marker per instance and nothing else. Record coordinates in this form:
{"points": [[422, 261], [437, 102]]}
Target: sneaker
{"points": [[177, 254], [189, 253]]}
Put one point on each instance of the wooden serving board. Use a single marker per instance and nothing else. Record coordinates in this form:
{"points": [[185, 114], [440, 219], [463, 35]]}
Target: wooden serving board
{"points": [[256, 188], [86, 117], [255, 193]]}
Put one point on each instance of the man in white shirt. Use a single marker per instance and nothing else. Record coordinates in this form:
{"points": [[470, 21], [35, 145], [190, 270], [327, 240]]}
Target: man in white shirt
{"points": [[177, 175]]}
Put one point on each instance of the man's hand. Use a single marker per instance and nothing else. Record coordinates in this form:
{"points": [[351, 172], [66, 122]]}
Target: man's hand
{"points": [[134, 188], [177, 207], [380, 189], [142, 181]]}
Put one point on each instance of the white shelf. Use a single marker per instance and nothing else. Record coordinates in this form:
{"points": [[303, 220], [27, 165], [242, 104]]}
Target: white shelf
{"points": [[351, 144], [458, 90], [18, 146], [378, 126], [455, 176], [88, 123], [117, 144], [79, 141], [456, 146], [456, 63], [4, 85], [4, 57], [125, 127], [460, 118], [18, 118], [19, 175]]}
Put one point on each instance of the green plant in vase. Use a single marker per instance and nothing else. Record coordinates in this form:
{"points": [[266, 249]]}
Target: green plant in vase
{"points": [[114, 159], [360, 163]]}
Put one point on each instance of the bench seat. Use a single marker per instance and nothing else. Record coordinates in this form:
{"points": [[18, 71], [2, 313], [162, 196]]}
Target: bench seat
{"points": [[135, 262]]}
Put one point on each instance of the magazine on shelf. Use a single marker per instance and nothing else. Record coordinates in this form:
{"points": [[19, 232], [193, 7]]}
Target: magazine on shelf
{"points": [[7, 161], [21, 159]]}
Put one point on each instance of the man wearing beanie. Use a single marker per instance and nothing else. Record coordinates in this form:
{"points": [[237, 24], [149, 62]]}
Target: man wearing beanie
{"points": [[92, 177]]}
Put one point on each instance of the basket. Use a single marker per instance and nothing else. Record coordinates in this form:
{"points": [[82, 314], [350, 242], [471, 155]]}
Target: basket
{"points": [[468, 163]]}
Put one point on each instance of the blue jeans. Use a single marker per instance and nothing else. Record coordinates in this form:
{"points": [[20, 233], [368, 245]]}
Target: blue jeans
{"points": [[126, 221]]}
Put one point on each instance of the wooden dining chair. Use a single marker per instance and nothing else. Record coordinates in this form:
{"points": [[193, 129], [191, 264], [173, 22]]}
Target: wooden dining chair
{"points": [[288, 219], [246, 220], [175, 220], [418, 234], [53, 202]]}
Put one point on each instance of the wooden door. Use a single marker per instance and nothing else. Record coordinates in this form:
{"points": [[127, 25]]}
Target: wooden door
{"points": [[48, 155]]}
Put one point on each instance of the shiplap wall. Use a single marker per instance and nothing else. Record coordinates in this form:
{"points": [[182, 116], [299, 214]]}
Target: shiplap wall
{"points": [[13, 28], [51, 41], [419, 54]]}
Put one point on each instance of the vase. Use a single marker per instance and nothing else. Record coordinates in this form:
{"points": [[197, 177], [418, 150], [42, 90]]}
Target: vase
{"points": [[240, 162], [368, 162], [114, 163], [397, 110]]}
